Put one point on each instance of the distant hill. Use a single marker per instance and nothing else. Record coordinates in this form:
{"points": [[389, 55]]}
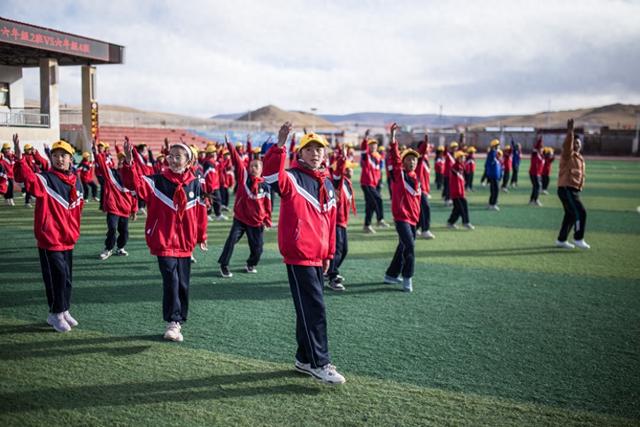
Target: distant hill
{"points": [[271, 115], [422, 120], [614, 116]]}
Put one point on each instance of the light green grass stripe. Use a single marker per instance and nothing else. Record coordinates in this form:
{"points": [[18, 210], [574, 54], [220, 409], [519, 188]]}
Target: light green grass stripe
{"points": [[139, 380]]}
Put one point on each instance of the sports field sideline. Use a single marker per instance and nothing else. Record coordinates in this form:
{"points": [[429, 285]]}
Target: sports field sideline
{"points": [[501, 329]]}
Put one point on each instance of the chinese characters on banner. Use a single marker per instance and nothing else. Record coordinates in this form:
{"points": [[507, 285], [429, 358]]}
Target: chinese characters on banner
{"points": [[27, 35]]}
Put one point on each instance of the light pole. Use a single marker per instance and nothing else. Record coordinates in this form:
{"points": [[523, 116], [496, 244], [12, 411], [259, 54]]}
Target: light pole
{"points": [[313, 118]]}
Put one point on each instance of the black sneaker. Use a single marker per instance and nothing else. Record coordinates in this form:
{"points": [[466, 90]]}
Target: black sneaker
{"points": [[250, 269], [335, 285], [224, 271]]}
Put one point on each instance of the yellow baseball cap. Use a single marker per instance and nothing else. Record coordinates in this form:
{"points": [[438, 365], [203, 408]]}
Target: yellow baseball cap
{"points": [[6, 146], [409, 152], [312, 137], [210, 149], [494, 143], [440, 148], [458, 154], [381, 148], [86, 155], [454, 144], [471, 149], [28, 146], [62, 145]]}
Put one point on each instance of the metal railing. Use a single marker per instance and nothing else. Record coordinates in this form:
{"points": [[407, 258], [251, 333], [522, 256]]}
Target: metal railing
{"points": [[22, 118]]}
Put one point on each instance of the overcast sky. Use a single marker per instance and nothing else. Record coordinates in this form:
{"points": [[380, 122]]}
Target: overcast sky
{"points": [[472, 57]]}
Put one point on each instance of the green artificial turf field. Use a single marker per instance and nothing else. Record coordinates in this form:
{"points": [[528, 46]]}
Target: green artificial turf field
{"points": [[502, 328]]}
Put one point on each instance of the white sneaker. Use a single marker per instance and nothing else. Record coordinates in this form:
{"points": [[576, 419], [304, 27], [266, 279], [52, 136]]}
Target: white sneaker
{"points": [[250, 269], [368, 230], [407, 284], [70, 320], [12, 202], [105, 254], [142, 211], [545, 192], [172, 332], [193, 259], [328, 374], [582, 244], [428, 235], [304, 368], [122, 252], [493, 208], [469, 226], [390, 280], [564, 245], [58, 322], [505, 190], [336, 285], [451, 226], [220, 217], [28, 205], [382, 224]]}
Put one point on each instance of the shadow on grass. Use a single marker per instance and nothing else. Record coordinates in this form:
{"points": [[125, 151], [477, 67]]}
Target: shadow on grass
{"points": [[127, 293], [215, 387]]}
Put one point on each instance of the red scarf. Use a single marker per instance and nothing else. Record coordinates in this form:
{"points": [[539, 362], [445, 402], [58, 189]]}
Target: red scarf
{"points": [[320, 175], [179, 196], [69, 179], [255, 183]]}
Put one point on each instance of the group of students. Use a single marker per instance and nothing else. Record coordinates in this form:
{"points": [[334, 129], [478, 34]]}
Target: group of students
{"points": [[316, 199]]}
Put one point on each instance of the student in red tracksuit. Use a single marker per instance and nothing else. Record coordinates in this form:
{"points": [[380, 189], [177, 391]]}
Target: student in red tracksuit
{"points": [[371, 164], [456, 181], [439, 166], [405, 207], [548, 157], [161, 164], [423, 170], [345, 197], [4, 178], [469, 167], [225, 173], [251, 212], [306, 238], [176, 222], [448, 162], [507, 163], [535, 172], [8, 160], [119, 204], [36, 163], [212, 181], [86, 171], [56, 226]]}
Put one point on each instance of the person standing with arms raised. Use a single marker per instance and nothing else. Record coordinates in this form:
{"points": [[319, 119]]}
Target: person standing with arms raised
{"points": [[570, 184], [306, 239]]}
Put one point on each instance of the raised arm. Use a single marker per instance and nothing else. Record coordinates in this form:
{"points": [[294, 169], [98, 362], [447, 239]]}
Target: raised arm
{"points": [[131, 178], [567, 146], [274, 161], [236, 160], [394, 152]]}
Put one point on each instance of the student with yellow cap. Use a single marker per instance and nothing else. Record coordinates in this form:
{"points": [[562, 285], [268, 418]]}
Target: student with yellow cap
{"points": [[7, 161], [493, 170], [439, 166], [371, 163], [456, 181], [307, 241], [86, 171], [448, 163], [56, 226], [405, 206]]}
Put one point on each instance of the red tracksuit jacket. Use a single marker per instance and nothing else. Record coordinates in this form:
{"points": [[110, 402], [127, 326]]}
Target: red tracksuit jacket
{"points": [[116, 198], [8, 163], [306, 229], [423, 170], [253, 209], [405, 191], [536, 163], [86, 169], [470, 163], [4, 179], [456, 181], [448, 162], [507, 161], [56, 222], [211, 177], [164, 234], [371, 164], [344, 192], [439, 166]]}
